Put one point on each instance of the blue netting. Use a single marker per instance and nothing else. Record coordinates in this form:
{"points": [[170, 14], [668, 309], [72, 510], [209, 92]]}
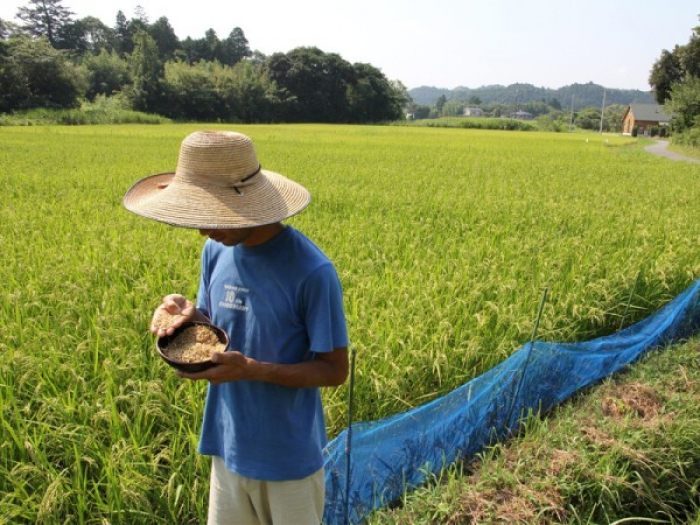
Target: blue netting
{"points": [[391, 456]]}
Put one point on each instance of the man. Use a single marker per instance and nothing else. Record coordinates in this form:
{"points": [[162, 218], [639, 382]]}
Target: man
{"points": [[280, 300]]}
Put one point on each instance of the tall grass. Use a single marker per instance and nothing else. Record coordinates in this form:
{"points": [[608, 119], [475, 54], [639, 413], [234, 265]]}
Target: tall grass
{"points": [[443, 240], [104, 110], [625, 451]]}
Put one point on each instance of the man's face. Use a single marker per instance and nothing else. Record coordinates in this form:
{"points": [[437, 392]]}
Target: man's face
{"points": [[228, 237]]}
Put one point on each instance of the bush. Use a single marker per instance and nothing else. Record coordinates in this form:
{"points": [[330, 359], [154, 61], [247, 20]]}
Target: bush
{"points": [[689, 138]]}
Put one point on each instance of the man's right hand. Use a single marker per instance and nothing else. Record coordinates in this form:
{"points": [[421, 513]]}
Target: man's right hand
{"points": [[172, 312]]}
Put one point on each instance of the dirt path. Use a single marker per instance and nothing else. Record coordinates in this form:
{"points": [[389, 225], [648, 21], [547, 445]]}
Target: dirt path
{"points": [[660, 149]]}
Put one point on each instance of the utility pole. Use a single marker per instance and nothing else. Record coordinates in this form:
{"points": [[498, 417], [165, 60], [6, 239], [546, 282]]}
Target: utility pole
{"points": [[571, 120], [602, 112]]}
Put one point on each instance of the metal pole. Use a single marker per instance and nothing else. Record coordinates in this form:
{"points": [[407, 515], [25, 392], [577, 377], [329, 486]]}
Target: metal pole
{"points": [[602, 112], [571, 120], [527, 359], [629, 302], [348, 441]]}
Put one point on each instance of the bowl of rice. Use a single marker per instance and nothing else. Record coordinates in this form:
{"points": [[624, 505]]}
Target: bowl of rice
{"points": [[190, 346]]}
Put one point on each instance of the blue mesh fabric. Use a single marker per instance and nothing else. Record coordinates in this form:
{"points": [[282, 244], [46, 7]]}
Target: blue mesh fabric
{"points": [[391, 456]]}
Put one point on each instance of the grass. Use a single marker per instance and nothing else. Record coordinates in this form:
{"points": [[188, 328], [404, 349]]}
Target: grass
{"points": [[443, 238], [104, 110], [624, 451], [482, 123], [688, 151]]}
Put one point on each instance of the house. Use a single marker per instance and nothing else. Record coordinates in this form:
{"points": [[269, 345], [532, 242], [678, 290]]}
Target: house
{"points": [[521, 115], [473, 112], [644, 117]]}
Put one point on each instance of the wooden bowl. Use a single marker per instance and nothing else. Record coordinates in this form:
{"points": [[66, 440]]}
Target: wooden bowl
{"points": [[162, 344]]}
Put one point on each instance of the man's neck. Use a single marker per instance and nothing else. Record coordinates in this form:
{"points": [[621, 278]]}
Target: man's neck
{"points": [[262, 234]]}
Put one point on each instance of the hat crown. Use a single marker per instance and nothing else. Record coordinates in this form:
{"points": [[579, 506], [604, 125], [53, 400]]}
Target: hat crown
{"points": [[216, 157]]}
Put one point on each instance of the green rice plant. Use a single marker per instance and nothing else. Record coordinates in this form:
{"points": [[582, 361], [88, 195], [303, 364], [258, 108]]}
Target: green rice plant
{"points": [[443, 239], [496, 123]]}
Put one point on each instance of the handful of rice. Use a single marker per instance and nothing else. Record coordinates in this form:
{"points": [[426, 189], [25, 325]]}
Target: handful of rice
{"points": [[194, 344], [163, 319]]}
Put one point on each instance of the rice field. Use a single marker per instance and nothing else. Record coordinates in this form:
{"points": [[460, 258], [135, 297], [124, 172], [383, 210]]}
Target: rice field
{"points": [[444, 240]]}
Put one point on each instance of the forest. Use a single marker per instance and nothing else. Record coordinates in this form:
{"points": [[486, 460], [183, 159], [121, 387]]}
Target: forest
{"points": [[49, 59]]}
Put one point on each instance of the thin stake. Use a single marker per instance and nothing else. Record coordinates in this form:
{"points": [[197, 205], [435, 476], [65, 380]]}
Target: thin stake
{"points": [[629, 301], [527, 359], [348, 441]]}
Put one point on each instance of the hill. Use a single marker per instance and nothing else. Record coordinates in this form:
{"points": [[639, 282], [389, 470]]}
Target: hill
{"points": [[582, 95]]}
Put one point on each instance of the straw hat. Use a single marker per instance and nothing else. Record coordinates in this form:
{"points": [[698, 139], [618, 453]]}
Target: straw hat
{"points": [[218, 184]]}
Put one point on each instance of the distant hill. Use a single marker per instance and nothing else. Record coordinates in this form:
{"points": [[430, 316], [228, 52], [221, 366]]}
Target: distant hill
{"points": [[584, 95]]}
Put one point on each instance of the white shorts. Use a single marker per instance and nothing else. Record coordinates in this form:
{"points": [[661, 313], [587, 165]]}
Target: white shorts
{"points": [[236, 500]]}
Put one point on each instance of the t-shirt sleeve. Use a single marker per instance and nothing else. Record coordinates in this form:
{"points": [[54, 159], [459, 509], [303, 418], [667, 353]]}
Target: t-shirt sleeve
{"points": [[324, 313]]}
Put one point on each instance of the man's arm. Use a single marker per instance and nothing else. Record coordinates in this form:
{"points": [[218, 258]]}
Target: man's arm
{"points": [[328, 369]]}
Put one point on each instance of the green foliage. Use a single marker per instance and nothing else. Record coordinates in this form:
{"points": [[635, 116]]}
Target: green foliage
{"points": [[588, 118], [508, 124], [45, 19], [684, 103], [107, 74], [191, 92], [322, 87], [665, 72], [689, 138], [676, 79], [318, 87], [146, 69], [34, 74], [209, 91], [104, 110]]}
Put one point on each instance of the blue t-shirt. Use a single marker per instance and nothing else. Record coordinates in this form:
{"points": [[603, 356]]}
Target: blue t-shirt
{"points": [[280, 302]]}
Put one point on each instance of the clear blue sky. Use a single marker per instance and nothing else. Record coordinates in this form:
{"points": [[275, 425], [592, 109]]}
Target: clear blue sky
{"points": [[442, 43]]}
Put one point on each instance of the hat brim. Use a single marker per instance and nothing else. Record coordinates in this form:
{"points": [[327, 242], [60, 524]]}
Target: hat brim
{"points": [[267, 199]]}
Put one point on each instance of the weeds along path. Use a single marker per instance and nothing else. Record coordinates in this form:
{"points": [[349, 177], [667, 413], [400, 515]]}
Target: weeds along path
{"points": [[660, 148], [623, 451]]}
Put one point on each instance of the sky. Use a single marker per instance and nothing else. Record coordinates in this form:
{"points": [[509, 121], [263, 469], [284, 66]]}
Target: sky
{"points": [[441, 43]]}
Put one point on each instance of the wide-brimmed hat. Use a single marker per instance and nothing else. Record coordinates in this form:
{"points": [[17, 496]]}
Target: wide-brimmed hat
{"points": [[218, 184]]}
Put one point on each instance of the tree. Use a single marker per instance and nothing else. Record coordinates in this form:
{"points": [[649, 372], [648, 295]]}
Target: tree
{"points": [[14, 85], [190, 91], [440, 103], [146, 71], [673, 66], [37, 75], [372, 98], [665, 72], [123, 41], [85, 36], [248, 95], [588, 118], [234, 48], [317, 81], [45, 18], [165, 38], [684, 103], [126, 30], [213, 45], [108, 73]]}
